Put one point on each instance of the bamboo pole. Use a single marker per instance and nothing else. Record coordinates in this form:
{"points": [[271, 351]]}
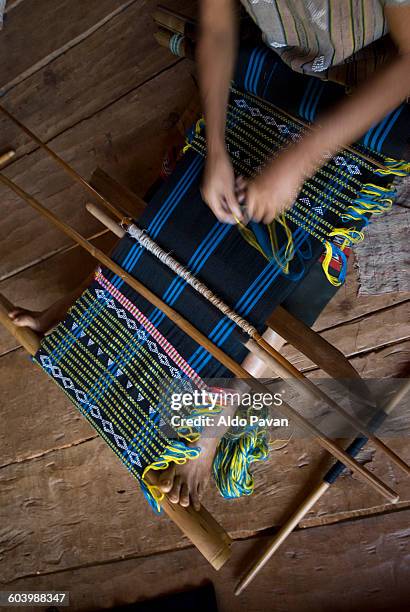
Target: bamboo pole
{"points": [[256, 344], [313, 497], [203, 530]]}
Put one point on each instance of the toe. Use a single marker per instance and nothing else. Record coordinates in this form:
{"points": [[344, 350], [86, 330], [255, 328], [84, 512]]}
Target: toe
{"points": [[14, 314], [174, 493], [25, 320], [195, 498], [166, 479], [201, 488], [184, 495]]}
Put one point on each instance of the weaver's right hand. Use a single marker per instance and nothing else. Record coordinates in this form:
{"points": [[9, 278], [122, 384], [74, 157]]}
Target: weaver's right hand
{"points": [[218, 188]]}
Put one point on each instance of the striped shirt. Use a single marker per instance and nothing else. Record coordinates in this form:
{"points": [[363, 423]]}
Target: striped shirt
{"points": [[340, 40]]}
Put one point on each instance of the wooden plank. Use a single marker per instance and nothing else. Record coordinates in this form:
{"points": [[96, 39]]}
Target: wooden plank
{"points": [[118, 195], [369, 332], [116, 59], [348, 305], [37, 419], [119, 139], [363, 565], [39, 286], [71, 481], [59, 25]]}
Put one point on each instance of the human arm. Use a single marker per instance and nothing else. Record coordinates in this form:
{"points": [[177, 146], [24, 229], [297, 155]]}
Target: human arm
{"points": [[276, 188], [216, 52]]}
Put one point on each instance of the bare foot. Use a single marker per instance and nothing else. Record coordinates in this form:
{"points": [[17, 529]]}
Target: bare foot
{"points": [[185, 484], [41, 321], [35, 320]]}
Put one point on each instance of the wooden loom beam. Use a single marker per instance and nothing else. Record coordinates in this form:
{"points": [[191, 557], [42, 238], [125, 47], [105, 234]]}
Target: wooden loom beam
{"points": [[301, 336]]}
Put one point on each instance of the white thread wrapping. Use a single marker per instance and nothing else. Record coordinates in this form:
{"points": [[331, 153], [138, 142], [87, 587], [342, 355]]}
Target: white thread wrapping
{"points": [[142, 237]]}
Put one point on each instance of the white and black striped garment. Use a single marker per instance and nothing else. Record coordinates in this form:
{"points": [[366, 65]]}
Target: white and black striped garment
{"points": [[340, 40]]}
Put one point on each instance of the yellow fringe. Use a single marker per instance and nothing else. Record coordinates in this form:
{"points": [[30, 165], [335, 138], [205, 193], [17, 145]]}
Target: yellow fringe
{"points": [[326, 263], [198, 126], [392, 166], [249, 236]]}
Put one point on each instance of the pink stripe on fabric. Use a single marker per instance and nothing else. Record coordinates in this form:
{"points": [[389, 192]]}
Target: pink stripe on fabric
{"points": [[151, 329]]}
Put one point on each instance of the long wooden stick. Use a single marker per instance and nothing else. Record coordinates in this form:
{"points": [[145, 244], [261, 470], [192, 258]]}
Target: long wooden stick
{"points": [[67, 168], [256, 344], [317, 492]]}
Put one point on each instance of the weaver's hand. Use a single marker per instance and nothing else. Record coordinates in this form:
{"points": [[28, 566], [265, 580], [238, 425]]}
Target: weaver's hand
{"points": [[218, 187], [275, 189]]}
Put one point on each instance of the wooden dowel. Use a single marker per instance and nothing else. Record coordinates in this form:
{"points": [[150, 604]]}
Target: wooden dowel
{"points": [[5, 157], [202, 529], [312, 498], [198, 337], [105, 219], [163, 38], [67, 168], [281, 536], [257, 344], [24, 335]]}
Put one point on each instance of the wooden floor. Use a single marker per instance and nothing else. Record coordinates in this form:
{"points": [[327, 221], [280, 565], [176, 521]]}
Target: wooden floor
{"points": [[90, 80]]}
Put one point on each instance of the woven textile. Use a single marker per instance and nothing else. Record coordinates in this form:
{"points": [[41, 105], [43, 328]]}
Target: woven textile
{"points": [[114, 350]]}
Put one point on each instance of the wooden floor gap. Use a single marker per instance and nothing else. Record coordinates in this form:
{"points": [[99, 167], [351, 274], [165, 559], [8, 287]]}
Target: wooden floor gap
{"points": [[47, 452], [130, 557], [50, 255], [362, 317]]}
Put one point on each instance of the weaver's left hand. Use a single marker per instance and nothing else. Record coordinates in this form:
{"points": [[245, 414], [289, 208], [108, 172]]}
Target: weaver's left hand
{"points": [[276, 188]]}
